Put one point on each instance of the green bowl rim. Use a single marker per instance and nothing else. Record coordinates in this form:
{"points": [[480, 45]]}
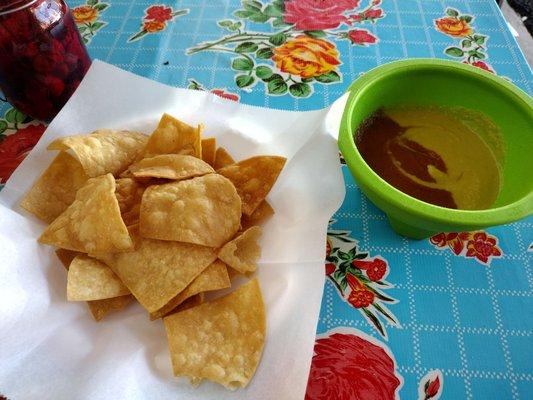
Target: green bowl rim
{"points": [[495, 216]]}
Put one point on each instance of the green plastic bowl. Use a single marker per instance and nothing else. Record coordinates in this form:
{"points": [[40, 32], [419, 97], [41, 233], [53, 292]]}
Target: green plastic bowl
{"points": [[443, 83]]}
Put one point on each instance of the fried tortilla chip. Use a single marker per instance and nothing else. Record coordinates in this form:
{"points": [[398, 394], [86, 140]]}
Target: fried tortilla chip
{"points": [[156, 271], [98, 308], [253, 178], [191, 302], [263, 212], [129, 194], [174, 137], [171, 166], [209, 146], [242, 253], [204, 210], [220, 340], [214, 277], [92, 223], [222, 159], [103, 151], [55, 189], [90, 279]]}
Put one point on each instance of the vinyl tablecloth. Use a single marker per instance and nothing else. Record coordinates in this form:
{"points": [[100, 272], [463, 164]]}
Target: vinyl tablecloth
{"points": [[450, 317]]}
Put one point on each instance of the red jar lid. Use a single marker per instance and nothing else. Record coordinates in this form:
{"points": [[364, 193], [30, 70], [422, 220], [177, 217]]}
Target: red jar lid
{"points": [[9, 6]]}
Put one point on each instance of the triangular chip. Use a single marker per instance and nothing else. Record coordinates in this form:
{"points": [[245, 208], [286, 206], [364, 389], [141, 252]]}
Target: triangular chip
{"points": [[90, 279], [171, 166], [220, 340], [98, 308], [55, 189], [222, 158], [242, 252], [209, 146], [103, 151], [92, 223], [204, 210], [253, 178], [263, 212], [214, 277], [174, 137], [156, 271], [191, 302]]}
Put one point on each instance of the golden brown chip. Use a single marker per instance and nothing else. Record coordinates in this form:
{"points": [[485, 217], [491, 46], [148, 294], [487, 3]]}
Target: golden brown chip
{"points": [[263, 212], [220, 340], [209, 146], [103, 151], [55, 189], [253, 178], [171, 166], [174, 137], [242, 252], [100, 308], [191, 302], [129, 193], [222, 158], [204, 210], [156, 271], [214, 277], [90, 279], [92, 223]]}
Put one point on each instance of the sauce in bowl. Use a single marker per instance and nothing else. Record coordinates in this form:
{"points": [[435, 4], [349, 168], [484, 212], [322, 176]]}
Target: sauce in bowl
{"points": [[447, 157]]}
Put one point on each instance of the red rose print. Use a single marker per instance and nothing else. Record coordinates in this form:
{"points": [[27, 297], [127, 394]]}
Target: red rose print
{"points": [[376, 269], [454, 240], [373, 14], [361, 36], [482, 65], [433, 388], [361, 298], [311, 15], [430, 386], [225, 95], [14, 148], [350, 366], [330, 268], [482, 247], [159, 13]]}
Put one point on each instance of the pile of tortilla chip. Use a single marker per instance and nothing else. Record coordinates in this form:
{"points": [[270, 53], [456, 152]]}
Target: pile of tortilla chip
{"points": [[162, 220]]}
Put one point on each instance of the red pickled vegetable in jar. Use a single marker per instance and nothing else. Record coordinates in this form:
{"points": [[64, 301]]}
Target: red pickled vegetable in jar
{"points": [[42, 56]]}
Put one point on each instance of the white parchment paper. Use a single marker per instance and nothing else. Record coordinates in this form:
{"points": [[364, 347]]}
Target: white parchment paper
{"points": [[52, 349]]}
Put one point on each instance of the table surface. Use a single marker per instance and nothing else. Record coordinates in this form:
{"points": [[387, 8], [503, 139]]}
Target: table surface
{"points": [[447, 317]]}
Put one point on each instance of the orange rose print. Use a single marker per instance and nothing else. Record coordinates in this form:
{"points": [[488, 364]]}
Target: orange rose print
{"points": [[85, 14], [453, 26], [306, 57], [153, 26]]}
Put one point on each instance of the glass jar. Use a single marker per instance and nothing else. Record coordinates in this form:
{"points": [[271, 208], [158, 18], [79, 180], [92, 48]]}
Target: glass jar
{"points": [[42, 56]]}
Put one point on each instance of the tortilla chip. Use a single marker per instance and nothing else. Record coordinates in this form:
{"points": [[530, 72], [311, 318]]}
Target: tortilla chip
{"points": [[222, 159], [100, 308], [156, 271], [92, 223], [171, 166], [204, 210], [90, 279], [129, 193], [220, 340], [214, 277], [191, 302], [103, 151], [242, 252], [55, 189], [253, 178], [209, 146], [263, 212], [174, 137]]}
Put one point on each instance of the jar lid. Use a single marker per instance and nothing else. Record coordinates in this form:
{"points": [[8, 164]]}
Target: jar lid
{"points": [[9, 6]]}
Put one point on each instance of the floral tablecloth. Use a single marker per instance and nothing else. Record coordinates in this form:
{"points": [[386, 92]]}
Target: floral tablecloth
{"points": [[450, 317]]}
